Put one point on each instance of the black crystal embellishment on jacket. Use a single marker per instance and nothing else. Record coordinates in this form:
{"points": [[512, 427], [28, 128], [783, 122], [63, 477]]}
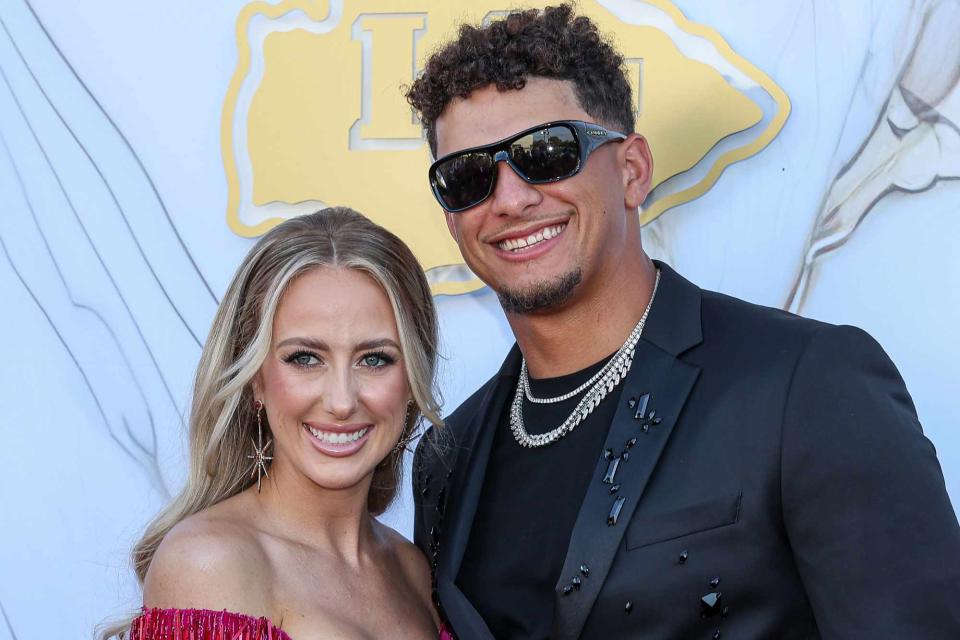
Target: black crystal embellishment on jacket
{"points": [[614, 488], [585, 570], [716, 635], [425, 485], [646, 419], [576, 582], [615, 511], [682, 559], [711, 604], [640, 405], [611, 473], [434, 545], [650, 421], [442, 501], [628, 607], [715, 583]]}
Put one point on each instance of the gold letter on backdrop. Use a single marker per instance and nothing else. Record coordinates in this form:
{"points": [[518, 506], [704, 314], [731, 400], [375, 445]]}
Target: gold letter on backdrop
{"points": [[388, 66], [315, 114]]}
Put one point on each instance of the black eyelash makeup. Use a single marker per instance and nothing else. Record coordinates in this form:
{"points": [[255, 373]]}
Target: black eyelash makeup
{"points": [[292, 358], [383, 355]]}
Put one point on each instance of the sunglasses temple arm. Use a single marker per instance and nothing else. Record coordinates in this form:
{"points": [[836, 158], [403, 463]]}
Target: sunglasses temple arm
{"points": [[593, 143]]}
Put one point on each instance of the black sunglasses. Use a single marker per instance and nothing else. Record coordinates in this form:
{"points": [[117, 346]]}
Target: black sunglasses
{"points": [[545, 153]]}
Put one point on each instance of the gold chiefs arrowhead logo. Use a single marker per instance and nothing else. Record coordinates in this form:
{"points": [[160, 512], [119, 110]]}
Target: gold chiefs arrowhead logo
{"points": [[315, 116]]}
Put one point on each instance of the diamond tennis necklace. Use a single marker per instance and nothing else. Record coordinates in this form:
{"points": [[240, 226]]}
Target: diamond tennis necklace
{"points": [[599, 385]]}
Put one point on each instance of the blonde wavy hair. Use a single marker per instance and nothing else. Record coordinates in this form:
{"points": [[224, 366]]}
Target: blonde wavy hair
{"points": [[222, 418]]}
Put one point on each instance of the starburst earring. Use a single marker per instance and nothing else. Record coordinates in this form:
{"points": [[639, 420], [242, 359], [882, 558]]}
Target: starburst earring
{"points": [[259, 456]]}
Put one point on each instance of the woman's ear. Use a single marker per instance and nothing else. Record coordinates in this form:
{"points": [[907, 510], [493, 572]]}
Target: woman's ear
{"points": [[256, 385], [637, 170]]}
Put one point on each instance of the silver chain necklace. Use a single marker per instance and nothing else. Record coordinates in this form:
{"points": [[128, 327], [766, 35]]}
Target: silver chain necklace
{"points": [[603, 382]]}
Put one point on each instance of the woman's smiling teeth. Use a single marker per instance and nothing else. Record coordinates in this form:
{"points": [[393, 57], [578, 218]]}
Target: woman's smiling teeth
{"points": [[513, 244], [337, 438]]}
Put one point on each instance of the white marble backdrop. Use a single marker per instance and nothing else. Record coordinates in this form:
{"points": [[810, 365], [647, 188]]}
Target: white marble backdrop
{"points": [[114, 249]]}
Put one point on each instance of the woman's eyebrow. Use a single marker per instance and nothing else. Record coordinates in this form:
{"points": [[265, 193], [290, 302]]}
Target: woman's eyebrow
{"points": [[376, 344], [320, 345], [313, 343]]}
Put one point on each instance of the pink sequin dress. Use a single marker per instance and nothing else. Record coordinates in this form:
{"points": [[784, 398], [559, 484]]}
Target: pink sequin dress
{"points": [[204, 624]]}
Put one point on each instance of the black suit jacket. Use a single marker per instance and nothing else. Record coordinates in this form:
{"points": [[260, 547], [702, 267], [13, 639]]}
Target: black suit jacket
{"points": [[783, 479]]}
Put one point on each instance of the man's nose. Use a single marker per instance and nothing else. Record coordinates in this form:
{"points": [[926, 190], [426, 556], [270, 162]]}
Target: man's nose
{"points": [[511, 193]]}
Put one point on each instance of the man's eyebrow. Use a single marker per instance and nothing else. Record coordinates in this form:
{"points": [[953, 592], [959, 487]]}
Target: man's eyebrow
{"points": [[320, 345]]}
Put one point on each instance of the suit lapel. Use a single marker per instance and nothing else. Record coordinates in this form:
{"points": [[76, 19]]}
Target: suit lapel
{"points": [[463, 495], [651, 401]]}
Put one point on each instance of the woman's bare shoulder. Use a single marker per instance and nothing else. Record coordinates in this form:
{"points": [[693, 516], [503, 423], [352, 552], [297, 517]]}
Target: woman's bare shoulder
{"points": [[210, 560], [414, 564], [415, 567]]}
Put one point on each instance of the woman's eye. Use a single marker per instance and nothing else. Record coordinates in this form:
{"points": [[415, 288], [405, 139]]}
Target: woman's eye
{"points": [[376, 360], [302, 359]]}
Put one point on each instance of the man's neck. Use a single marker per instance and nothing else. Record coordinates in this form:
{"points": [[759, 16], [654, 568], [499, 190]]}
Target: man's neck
{"points": [[589, 328]]}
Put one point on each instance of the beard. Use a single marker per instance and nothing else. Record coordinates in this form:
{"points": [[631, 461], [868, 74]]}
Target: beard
{"points": [[541, 296]]}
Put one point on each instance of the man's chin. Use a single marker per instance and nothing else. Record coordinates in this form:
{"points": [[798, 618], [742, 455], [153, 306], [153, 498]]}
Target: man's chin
{"points": [[539, 297]]}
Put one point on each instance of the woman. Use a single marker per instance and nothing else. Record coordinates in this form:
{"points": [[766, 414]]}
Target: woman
{"points": [[318, 367]]}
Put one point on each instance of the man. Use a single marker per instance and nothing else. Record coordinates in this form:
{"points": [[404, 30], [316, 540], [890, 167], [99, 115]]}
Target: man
{"points": [[652, 460]]}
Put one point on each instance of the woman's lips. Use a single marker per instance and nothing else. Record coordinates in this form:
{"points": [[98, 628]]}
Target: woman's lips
{"points": [[338, 442]]}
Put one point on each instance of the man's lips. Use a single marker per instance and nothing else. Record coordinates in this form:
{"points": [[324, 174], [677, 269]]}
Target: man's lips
{"points": [[520, 240]]}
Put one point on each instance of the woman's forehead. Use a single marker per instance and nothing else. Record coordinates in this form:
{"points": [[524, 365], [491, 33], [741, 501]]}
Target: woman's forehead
{"points": [[337, 305]]}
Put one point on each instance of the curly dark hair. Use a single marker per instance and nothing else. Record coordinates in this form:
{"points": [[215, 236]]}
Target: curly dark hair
{"points": [[551, 43]]}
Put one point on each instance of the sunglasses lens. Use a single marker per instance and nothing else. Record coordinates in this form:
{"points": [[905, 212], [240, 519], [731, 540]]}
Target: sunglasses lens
{"points": [[547, 154], [544, 155], [464, 180]]}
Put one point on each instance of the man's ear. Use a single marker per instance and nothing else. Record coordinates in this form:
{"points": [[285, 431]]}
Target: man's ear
{"points": [[451, 226], [637, 170]]}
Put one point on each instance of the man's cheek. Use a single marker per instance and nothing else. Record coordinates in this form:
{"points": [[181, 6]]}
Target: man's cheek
{"points": [[452, 227]]}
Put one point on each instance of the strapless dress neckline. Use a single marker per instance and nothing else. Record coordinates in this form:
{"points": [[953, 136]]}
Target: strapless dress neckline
{"points": [[207, 624]]}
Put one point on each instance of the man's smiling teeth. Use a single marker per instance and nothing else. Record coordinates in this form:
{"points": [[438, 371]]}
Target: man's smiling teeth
{"points": [[337, 438], [513, 244]]}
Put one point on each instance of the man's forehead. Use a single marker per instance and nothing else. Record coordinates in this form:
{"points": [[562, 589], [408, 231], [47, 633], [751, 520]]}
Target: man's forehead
{"points": [[488, 114]]}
